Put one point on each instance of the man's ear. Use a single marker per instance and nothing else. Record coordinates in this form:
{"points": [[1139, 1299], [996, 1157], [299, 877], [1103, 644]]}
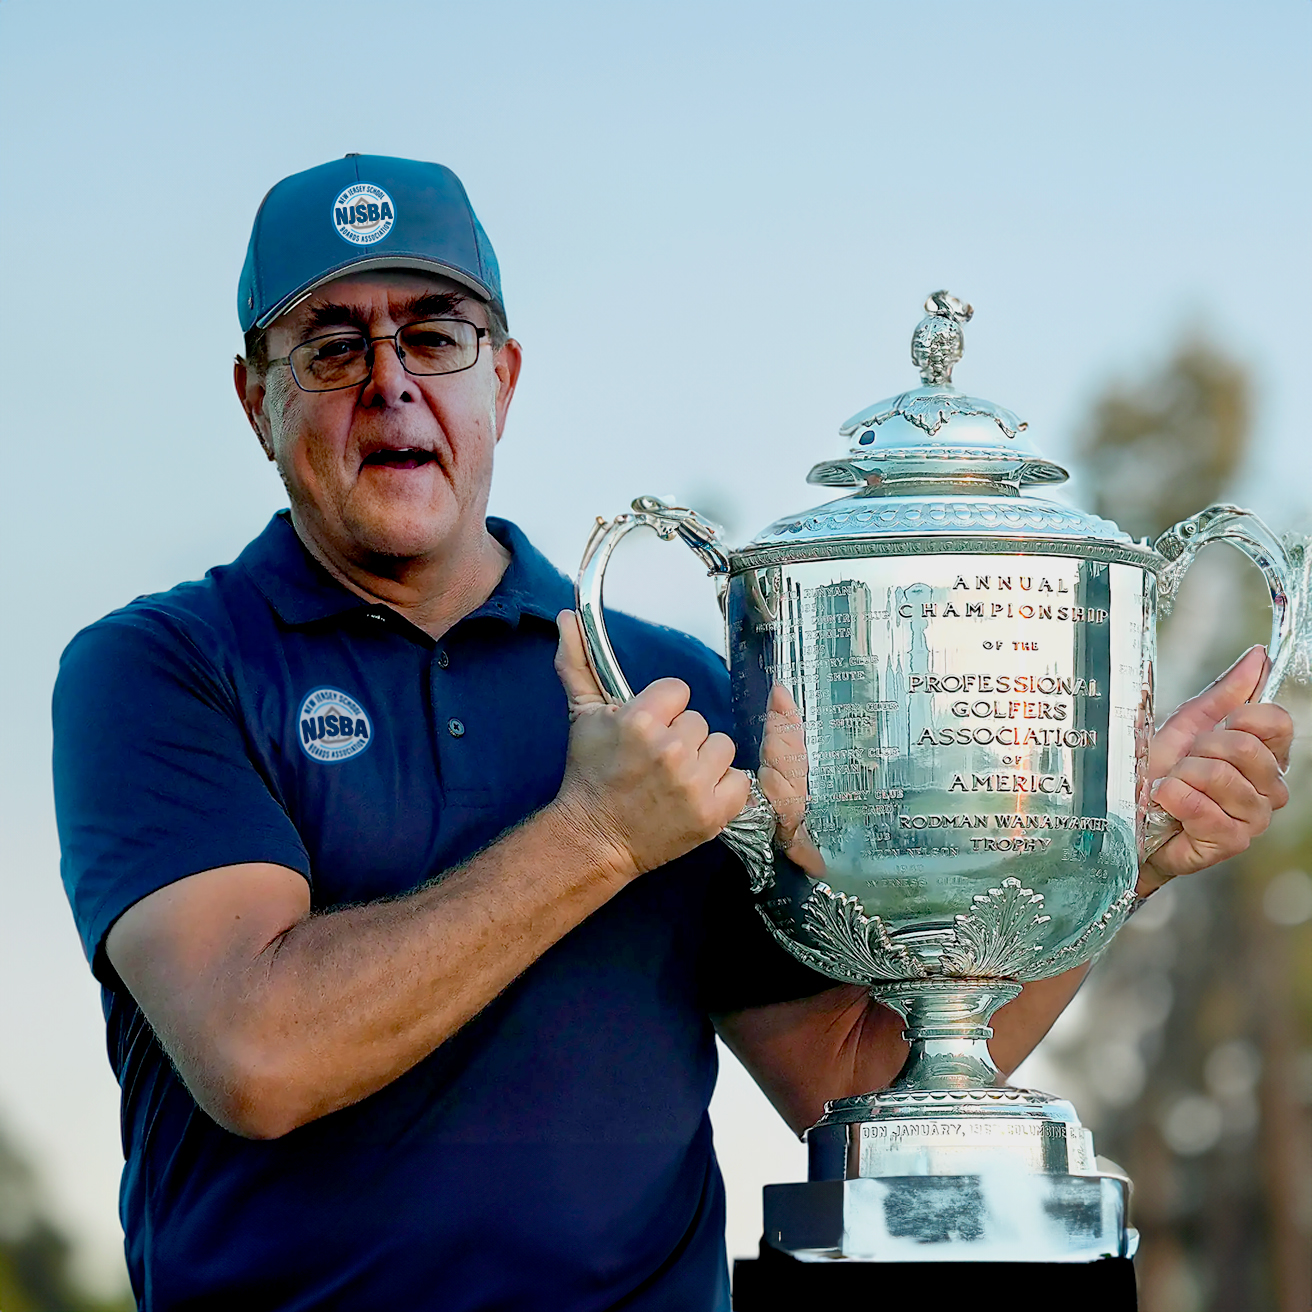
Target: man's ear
{"points": [[250, 392], [509, 360]]}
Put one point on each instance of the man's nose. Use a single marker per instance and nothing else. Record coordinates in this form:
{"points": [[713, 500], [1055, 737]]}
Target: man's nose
{"points": [[388, 381]]}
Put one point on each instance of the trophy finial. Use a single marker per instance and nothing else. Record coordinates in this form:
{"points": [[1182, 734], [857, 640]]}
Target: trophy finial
{"points": [[937, 343]]}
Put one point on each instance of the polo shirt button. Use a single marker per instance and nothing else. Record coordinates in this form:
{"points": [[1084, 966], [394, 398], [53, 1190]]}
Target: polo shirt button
{"points": [[455, 728], [443, 660]]}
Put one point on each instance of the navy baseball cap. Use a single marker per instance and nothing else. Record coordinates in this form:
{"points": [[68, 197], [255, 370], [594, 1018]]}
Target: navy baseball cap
{"points": [[362, 212]]}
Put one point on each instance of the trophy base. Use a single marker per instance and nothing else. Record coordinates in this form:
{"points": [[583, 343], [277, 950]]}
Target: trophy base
{"points": [[952, 1218], [952, 1175], [776, 1282]]}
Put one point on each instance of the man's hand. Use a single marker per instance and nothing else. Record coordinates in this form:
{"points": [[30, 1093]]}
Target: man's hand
{"points": [[648, 777], [784, 775], [1217, 766], [275, 1017]]}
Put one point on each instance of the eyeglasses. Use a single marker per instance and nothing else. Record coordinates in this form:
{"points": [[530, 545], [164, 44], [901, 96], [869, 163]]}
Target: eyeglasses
{"points": [[346, 358]]}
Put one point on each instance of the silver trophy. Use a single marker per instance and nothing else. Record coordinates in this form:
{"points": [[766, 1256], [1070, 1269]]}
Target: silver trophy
{"points": [[947, 683]]}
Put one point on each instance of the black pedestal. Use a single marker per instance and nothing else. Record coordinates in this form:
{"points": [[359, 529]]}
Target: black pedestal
{"points": [[775, 1282]]}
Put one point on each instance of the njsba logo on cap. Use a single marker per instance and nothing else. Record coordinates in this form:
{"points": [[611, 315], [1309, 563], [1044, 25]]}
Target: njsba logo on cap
{"points": [[332, 726], [363, 214]]}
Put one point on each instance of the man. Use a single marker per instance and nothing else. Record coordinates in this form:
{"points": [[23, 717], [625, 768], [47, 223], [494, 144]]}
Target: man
{"points": [[411, 945]]}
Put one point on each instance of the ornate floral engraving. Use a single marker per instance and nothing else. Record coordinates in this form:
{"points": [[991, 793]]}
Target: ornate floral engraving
{"points": [[1169, 578], [750, 837], [1001, 938], [838, 922], [1091, 942], [789, 551], [930, 408], [954, 516], [997, 939], [849, 945]]}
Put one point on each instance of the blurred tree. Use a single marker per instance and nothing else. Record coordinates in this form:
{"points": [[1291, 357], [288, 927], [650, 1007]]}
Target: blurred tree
{"points": [[1198, 1054], [35, 1269], [1162, 450]]}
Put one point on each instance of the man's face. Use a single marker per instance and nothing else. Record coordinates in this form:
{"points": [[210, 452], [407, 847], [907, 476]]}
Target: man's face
{"points": [[398, 466]]}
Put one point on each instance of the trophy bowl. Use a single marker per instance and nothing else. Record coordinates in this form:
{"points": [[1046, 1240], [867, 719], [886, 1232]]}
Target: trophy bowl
{"points": [[945, 683]]}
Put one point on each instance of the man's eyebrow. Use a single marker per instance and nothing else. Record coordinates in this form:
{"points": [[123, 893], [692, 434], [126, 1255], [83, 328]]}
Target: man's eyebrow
{"points": [[427, 305], [331, 315], [431, 305]]}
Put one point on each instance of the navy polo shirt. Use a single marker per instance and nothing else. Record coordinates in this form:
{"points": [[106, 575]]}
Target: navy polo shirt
{"points": [[554, 1153]]}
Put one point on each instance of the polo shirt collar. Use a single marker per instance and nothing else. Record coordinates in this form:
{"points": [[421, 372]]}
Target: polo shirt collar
{"points": [[531, 585], [301, 591]]}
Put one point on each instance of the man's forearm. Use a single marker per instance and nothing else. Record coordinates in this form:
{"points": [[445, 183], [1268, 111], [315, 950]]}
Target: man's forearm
{"points": [[337, 1005], [840, 1043], [274, 1016], [1018, 1027]]}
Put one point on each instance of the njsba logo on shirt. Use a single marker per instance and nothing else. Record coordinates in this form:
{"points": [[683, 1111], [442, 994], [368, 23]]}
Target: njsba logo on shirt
{"points": [[363, 214], [333, 726]]}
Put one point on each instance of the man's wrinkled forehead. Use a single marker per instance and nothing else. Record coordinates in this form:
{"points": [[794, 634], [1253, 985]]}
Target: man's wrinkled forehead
{"points": [[365, 300]]}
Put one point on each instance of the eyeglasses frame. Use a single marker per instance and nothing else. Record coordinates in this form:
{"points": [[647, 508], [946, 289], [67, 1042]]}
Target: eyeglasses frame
{"points": [[370, 353]]}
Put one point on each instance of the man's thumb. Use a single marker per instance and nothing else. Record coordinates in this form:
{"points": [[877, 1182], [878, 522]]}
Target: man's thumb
{"points": [[1237, 685], [576, 676]]}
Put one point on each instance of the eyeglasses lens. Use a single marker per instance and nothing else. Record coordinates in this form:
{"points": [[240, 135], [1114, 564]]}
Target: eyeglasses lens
{"points": [[439, 346], [431, 346], [328, 362]]}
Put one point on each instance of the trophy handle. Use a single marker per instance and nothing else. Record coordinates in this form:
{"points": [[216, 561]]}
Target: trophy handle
{"points": [[1284, 566], [750, 834]]}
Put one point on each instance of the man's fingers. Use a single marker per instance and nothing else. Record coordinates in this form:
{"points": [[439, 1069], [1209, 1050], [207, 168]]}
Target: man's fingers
{"points": [[659, 780], [1221, 783], [1247, 755], [1210, 833], [781, 702], [576, 676], [1233, 688], [1269, 722], [715, 756], [1227, 781], [781, 713], [1203, 712], [784, 746], [663, 699], [732, 792], [729, 787], [782, 794], [691, 729]]}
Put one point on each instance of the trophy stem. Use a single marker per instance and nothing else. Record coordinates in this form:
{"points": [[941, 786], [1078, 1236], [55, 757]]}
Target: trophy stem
{"points": [[947, 1025]]}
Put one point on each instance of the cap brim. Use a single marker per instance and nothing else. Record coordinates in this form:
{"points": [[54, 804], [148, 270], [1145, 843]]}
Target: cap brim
{"points": [[377, 263]]}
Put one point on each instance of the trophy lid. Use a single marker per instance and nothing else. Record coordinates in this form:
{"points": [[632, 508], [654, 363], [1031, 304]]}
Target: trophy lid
{"points": [[935, 433], [935, 463]]}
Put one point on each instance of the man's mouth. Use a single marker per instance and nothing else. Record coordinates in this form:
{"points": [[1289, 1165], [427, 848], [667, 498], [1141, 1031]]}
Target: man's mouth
{"points": [[406, 457]]}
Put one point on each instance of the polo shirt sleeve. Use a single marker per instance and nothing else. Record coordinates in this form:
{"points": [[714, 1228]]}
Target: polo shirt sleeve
{"points": [[153, 777], [743, 966]]}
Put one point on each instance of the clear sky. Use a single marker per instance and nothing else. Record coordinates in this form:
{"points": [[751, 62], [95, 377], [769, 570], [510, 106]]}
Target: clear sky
{"points": [[716, 223]]}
